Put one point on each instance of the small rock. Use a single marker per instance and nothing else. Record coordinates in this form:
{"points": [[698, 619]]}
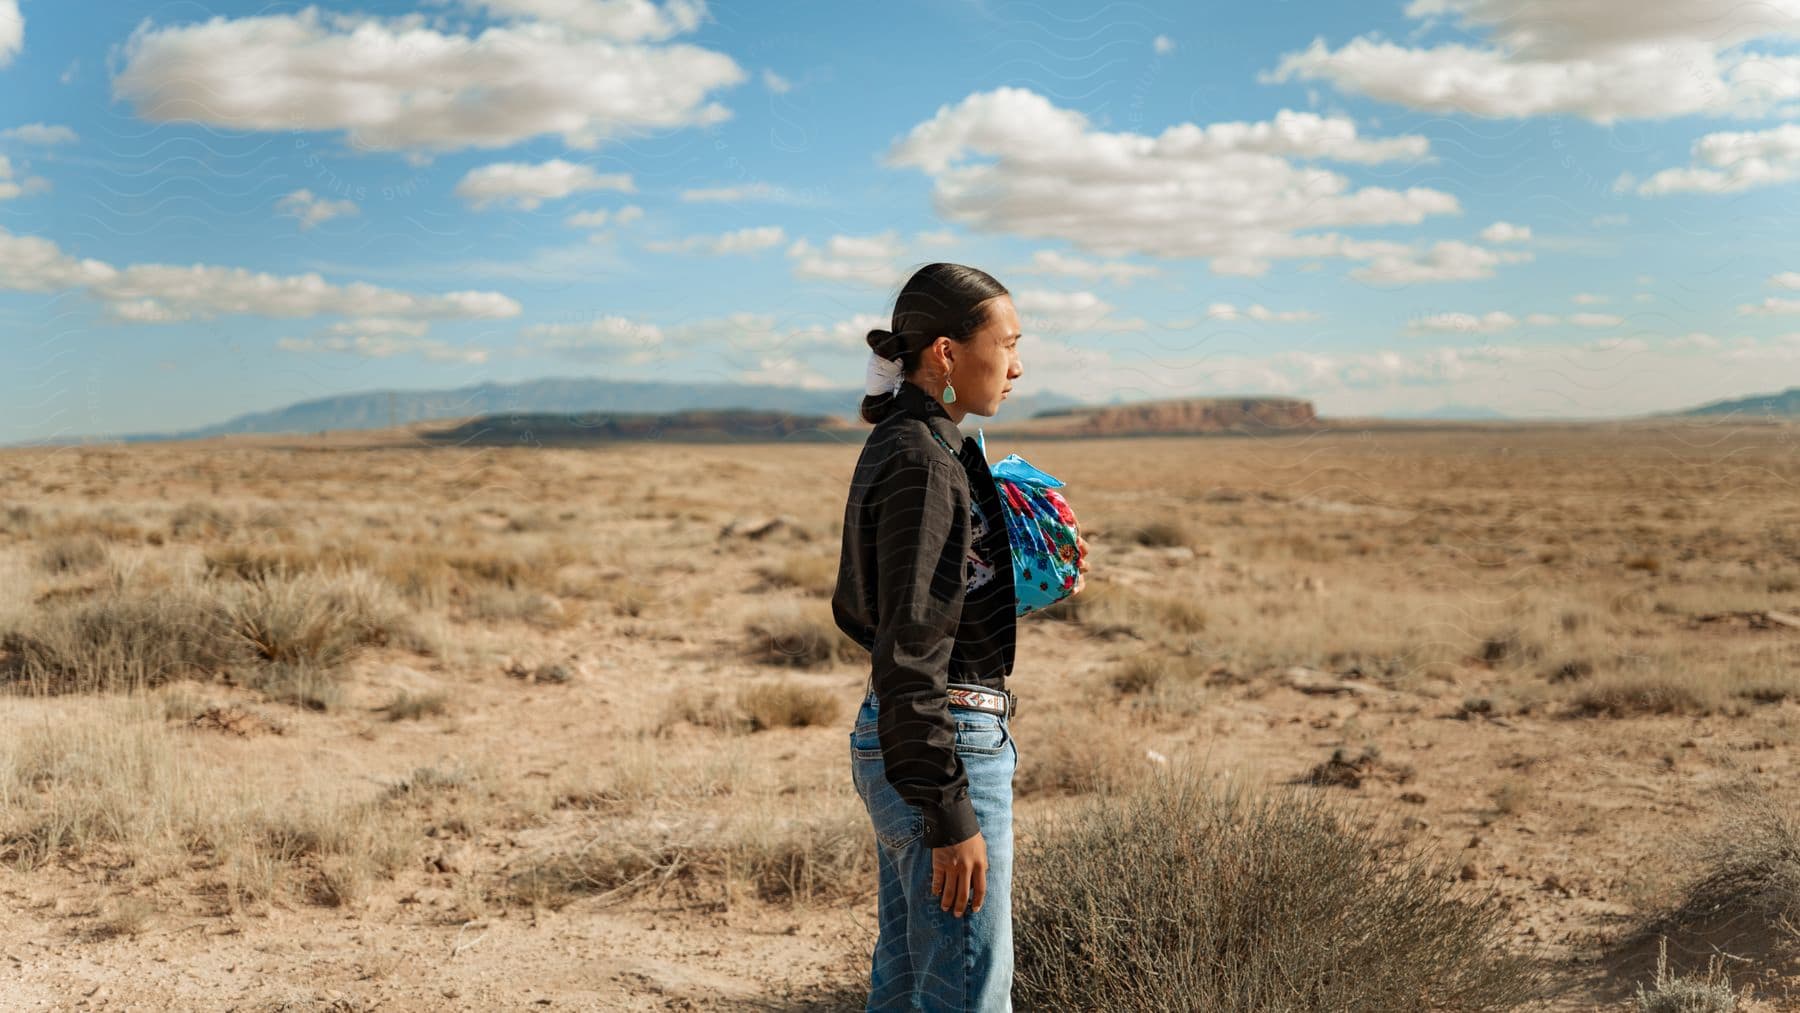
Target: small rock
{"points": [[1470, 872]]}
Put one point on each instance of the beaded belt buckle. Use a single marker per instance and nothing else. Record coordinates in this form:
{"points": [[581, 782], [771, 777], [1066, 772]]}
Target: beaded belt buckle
{"points": [[1000, 702]]}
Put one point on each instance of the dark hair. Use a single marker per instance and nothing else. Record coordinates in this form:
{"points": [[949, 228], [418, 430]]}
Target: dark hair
{"points": [[939, 299]]}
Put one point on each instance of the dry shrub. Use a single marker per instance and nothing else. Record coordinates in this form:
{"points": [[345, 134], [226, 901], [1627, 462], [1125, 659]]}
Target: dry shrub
{"points": [[1075, 757], [407, 706], [77, 782], [814, 574], [1140, 673], [73, 554], [197, 520], [801, 637], [428, 575], [18, 519], [787, 705], [123, 640], [1181, 896], [316, 620], [537, 608], [287, 634], [816, 858], [1109, 610], [1159, 533], [1623, 696], [1749, 868], [707, 709], [109, 782], [1673, 993]]}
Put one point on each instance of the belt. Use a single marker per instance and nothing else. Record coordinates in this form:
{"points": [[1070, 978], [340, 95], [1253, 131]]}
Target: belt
{"points": [[993, 701]]}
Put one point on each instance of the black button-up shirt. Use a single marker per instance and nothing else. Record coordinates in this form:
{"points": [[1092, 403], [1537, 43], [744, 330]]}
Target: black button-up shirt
{"points": [[903, 592]]}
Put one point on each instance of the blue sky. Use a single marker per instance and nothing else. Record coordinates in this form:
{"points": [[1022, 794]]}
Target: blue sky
{"points": [[1553, 208]]}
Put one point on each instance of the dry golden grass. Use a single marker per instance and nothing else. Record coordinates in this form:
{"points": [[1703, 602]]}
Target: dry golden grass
{"points": [[215, 659]]}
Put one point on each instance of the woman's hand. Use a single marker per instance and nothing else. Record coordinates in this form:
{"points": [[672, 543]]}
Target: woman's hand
{"points": [[1081, 563], [959, 873]]}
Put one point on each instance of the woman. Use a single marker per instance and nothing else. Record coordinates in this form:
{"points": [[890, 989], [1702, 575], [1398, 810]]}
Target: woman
{"points": [[925, 583]]}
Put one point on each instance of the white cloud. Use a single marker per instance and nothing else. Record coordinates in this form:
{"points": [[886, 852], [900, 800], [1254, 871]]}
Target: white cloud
{"points": [[1046, 312], [12, 31], [1601, 59], [1235, 193], [1542, 319], [608, 338], [624, 20], [1506, 232], [1617, 345], [1487, 323], [159, 293], [399, 84], [869, 260], [599, 218], [1786, 279], [1052, 262], [1163, 45], [740, 241], [45, 134], [527, 185], [1729, 162], [184, 292], [1595, 320], [1447, 260], [311, 209], [1587, 299], [11, 186], [1258, 312], [776, 83], [744, 192], [380, 346], [1697, 339], [32, 264], [1770, 307], [386, 326], [1784, 348]]}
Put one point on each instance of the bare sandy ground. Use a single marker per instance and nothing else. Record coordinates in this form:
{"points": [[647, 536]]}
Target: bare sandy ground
{"points": [[1303, 547]]}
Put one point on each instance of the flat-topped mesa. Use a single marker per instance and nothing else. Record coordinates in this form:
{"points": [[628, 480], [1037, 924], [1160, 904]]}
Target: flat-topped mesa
{"points": [[1183, 415]]}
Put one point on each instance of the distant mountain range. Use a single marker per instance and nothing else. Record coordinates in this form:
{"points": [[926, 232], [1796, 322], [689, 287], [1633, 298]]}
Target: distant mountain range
{"points": [[580, 410], [383, 408], [1785, 403]]}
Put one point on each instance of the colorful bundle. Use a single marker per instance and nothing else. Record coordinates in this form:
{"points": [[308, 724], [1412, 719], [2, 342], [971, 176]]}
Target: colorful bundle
{"points": [[1041, 528]]}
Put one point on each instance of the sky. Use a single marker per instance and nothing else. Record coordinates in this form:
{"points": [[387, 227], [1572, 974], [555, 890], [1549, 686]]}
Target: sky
{"points": [[1547, 208]]}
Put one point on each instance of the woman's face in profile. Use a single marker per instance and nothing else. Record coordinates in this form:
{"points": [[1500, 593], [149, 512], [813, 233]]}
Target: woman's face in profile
{"points": [[995, 355]]}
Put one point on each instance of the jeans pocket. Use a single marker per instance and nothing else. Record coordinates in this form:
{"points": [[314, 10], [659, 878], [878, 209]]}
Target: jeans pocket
{"points": [[981, 735], [897, 822]]}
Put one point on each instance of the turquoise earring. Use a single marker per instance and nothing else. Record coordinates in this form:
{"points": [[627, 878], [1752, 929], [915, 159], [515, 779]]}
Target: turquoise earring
{"points": [[949, 394]]}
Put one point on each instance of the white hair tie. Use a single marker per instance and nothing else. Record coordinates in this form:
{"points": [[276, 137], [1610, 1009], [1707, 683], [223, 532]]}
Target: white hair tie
{"points": [[884, 376]]}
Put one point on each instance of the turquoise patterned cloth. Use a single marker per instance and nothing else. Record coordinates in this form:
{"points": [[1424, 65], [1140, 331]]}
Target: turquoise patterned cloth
{"points": [[1041, 527]]}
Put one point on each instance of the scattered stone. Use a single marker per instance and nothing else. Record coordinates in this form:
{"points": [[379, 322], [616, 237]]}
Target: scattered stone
{"points": [[1752, 618], [1342, 771], [235, 720], [1569, 671], [758, 528], [554, 672], [1470, 872], [1319, 684]]}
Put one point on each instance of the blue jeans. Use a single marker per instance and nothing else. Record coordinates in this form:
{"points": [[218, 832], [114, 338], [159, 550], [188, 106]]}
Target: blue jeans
{"points": [[927, 958]]}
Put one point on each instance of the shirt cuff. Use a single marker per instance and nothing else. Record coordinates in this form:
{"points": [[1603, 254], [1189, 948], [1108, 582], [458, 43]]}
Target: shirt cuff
{"points": [[951, 825]]}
